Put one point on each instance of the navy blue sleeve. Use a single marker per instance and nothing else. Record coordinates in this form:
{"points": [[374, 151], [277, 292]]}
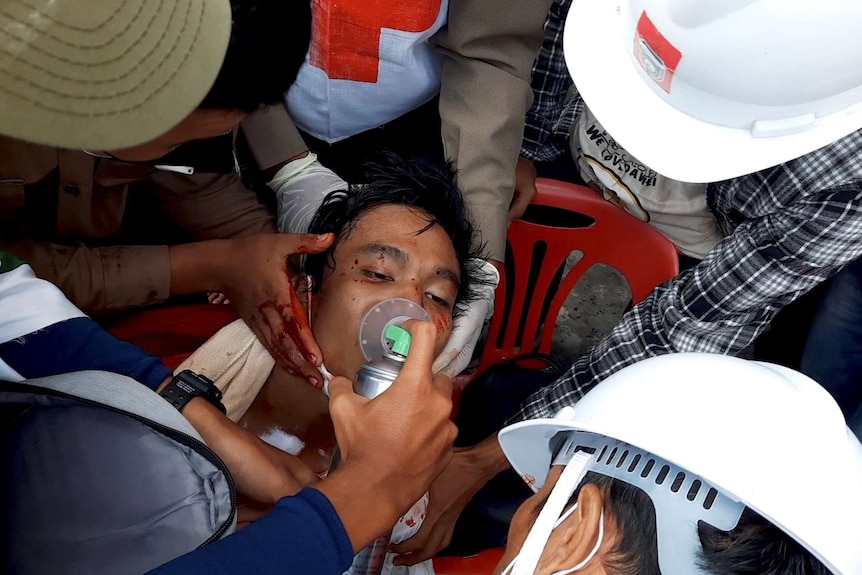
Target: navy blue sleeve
{"points": [[78, 344], [302, 535]]}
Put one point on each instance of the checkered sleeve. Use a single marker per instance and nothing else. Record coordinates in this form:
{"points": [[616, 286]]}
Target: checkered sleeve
{"points": [[550, 83], [722, 304]]}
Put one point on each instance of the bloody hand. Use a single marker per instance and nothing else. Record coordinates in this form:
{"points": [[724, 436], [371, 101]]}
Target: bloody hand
{"points": [[257, 282]]}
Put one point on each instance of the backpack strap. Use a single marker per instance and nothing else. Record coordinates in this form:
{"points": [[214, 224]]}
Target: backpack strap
{"points": [[111, 390]]}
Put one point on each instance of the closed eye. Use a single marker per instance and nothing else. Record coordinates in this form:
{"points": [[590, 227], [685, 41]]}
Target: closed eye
{"points": [[377, 276], [442, 302]]}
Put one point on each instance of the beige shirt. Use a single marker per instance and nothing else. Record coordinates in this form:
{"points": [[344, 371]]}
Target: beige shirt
{"points": [[70, 215]]}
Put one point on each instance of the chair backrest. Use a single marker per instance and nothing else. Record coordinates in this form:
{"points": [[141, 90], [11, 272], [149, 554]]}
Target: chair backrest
{"points": [[561, 219]]}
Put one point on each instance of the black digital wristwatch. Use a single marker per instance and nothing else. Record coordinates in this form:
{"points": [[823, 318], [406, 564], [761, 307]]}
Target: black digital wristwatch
{"points": [[187, 385]]}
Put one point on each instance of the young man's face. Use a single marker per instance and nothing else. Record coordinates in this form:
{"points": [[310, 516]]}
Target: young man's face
{"points": [[384, 256]]}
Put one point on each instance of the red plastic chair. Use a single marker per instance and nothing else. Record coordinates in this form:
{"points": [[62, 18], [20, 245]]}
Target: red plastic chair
{"points": [[562, 218], [535, 286], [171, 332]]}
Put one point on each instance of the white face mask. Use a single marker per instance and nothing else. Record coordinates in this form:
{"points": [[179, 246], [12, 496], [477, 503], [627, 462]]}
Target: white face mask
{"points": [[528, 559]]}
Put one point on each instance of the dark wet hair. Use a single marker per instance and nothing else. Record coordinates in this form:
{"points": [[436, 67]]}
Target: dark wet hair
{"points": [[422, 184], [755, 547], [268, 43]]}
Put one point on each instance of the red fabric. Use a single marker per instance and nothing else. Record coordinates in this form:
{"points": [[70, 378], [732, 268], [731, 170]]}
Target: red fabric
{"points": [[345, 41], [172, 332]]}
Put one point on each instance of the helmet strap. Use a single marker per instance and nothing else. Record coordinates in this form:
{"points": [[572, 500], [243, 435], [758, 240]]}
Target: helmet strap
{"points": [[537, 538]]}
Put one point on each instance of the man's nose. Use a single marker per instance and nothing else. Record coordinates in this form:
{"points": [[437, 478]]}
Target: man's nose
{"points": [[411, 291]]}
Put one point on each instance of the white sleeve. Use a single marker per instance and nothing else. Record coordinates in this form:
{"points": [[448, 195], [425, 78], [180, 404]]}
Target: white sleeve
{"points": [[27, 304]]}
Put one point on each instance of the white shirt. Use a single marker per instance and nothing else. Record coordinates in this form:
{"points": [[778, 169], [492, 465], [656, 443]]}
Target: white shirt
{"points": [[27, 304], [676, 209]]}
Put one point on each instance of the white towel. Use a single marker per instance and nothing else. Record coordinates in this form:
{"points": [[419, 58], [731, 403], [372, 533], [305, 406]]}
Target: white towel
{"points": [[238, 364]]}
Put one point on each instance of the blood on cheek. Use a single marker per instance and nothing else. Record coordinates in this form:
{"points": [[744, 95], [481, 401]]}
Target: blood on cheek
{"points": [[443, 324]]}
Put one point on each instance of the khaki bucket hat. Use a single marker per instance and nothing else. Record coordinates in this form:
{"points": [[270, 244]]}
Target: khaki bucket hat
{"points": [[106, 74]]}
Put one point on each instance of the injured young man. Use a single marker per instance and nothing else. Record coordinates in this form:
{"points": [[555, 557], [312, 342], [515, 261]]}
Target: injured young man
{"points": [[404, 235]]}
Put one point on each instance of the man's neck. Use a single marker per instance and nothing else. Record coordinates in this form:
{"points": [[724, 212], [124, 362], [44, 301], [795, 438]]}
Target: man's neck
{"points": [[288, 404]]}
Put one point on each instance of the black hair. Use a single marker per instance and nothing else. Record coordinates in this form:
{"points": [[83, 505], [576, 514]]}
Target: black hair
{"points": [[754, 547], [422, 184], [268, 43], [635, 551]]}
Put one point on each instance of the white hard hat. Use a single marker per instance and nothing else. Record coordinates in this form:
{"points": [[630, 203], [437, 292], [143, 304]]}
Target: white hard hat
{"points": [[706, 90], [759, 435]]}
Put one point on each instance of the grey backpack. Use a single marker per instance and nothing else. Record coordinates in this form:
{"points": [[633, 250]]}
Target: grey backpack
{"points": [[98, 474]]}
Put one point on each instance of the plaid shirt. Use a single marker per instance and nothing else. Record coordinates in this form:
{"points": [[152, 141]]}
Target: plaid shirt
{"points": [[550, 119], [788, 228]]}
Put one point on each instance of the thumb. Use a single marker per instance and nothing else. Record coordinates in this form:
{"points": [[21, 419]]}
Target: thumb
{"points": [[340, 390]]}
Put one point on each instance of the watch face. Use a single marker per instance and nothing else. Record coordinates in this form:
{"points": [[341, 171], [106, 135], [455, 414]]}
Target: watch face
{"points": [[197, 385], [186, 387]]}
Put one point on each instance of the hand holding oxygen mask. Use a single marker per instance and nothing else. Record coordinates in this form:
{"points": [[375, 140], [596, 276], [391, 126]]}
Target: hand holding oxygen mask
{"points": [[400, 440]]}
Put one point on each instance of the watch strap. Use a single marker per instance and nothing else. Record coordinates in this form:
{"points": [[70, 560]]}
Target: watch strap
{"points": [[187, 385]]}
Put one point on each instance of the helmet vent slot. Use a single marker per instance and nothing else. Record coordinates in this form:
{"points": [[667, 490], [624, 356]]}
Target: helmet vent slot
{"points": [[648, 468], [662, 474], [710, 498], [677, 482], [622, 459], [602, 454], [634, 464], [694, 489]]}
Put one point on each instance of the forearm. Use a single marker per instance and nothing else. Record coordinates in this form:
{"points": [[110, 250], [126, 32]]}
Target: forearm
{"points": [[363, 503], [485, 155], [261, 471], [487, 458], [80, 344], [198, 267], [488, 51], [208, 206], [100, 280]]}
